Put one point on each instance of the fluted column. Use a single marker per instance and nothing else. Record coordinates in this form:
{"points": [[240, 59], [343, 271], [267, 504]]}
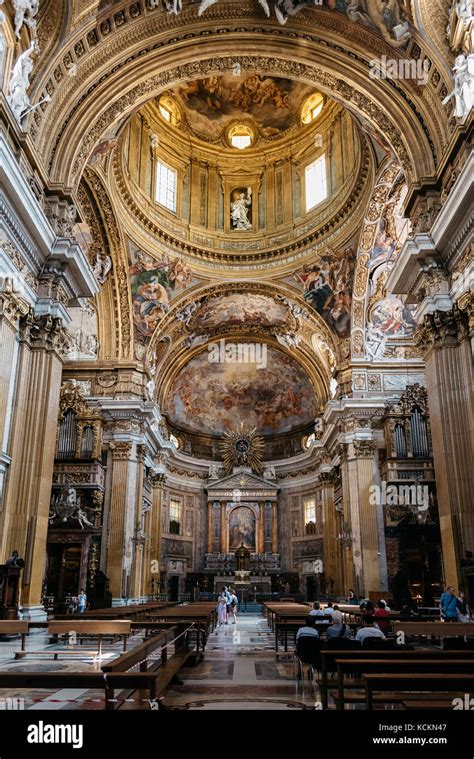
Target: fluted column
{"points": [[11, 309], [362, 472], [444, 338], [332, 568], [210, 533], [223, 527], [118, 562], [274, 528], [261, 527], [158, 480], [351, 565], [43, 343], [139, 536]]}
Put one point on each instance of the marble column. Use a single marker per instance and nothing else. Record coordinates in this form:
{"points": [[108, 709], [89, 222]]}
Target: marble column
{"points": [[261, 527], [158, 480], [117, 560], [43, 343], [362, 464], [331, 564], [210, 527], [444, 339], [139, 536], [351, 565], [11, 309], [223, 527], [274, 528]]}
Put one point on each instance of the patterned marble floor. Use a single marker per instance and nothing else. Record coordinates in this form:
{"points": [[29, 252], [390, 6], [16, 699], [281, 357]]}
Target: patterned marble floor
{"points": [[240, 671]]}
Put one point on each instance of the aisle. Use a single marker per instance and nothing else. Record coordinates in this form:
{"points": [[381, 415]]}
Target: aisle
{"points": [[240, 671]]}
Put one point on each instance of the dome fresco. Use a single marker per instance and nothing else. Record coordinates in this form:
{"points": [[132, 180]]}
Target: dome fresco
{"points": [[274, 394]]}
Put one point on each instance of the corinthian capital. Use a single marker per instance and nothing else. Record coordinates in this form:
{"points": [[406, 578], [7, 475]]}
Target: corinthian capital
{"points": [[45, 333], [12, 307], [445, 328], [121, 450], [364, 449]]}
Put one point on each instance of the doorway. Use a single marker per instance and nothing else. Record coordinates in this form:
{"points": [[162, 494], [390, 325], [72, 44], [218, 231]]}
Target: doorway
{"points": [[173, 585], [63, 570]]}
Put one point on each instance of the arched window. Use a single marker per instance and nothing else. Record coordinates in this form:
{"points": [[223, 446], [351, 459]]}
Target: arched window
{"points": [[399, 441], [419, 435], [67, 436], [87, 443]]}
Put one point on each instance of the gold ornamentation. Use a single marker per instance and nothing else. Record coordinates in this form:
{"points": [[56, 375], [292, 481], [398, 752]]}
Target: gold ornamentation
{"points": [[242, 448]]}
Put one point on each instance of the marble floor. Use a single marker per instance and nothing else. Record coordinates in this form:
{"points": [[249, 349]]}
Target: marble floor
{"points": [[241, 671]]}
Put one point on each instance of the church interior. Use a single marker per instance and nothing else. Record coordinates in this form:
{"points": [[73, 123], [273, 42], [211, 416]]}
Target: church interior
{"points": [[236, 321]]}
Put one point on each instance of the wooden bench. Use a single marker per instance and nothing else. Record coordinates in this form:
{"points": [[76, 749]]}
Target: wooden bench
{"points": [[362, 667], [434, 629], [406, 683], [92, 628], [15, 627], [166, 668], [329, 657]]}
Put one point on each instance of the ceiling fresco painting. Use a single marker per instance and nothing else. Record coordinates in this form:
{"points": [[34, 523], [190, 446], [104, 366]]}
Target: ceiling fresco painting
{"points": [[251, 309], [327, 287], [213, 398], [212, 104], [154, 284]]}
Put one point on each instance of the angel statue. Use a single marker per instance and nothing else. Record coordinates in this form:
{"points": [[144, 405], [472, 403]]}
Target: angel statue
{"points": [[101, 267], [20, 81], [240, 209], [463, 92], [25, 11]]}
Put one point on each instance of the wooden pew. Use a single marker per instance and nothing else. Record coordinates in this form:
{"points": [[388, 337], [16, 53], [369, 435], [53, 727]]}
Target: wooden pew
{"points": [[165, 669], [15, 627], [361, 667], [292, 625], [93, 628], [406, 683], [434, 629], [332, 655]]}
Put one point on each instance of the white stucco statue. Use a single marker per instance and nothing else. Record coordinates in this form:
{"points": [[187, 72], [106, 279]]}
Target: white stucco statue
{"points": [[25, 12], [101, 267], [463, 92], [464, 9], [20, 81]]}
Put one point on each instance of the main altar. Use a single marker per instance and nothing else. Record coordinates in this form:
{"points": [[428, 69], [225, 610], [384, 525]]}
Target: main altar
{"points": [[242, 524]]}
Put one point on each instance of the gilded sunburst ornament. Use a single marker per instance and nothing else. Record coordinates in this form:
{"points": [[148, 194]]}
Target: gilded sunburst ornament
{"points": [[242, 448]]}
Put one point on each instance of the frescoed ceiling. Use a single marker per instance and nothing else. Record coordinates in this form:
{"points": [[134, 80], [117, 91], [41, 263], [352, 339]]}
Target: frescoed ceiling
{"points": [[272, 104], [212, 394]]}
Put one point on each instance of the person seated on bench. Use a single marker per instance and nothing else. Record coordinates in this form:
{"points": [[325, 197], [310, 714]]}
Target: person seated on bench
{"points": [[329, 608], [369, 630], [382, 617], [316, 611], [367, 609], [308, 630], [338, 629]]}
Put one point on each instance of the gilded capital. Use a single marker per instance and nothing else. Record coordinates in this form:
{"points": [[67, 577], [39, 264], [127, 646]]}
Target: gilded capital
{"points": [[444, 329], [326, 478], [364, 448], [121, 450], [45, 333], [12, 307]]}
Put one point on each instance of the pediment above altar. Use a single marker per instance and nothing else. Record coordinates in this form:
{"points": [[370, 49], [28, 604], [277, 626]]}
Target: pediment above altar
{"points": [[242, 486]]}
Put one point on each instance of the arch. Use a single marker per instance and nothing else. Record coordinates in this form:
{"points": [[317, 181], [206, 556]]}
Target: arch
{"points": [[406, 116]]}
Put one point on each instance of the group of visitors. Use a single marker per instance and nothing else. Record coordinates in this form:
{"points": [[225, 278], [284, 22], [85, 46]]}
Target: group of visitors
{"points": [[227, 606], [375, 621], [454, 608]]}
